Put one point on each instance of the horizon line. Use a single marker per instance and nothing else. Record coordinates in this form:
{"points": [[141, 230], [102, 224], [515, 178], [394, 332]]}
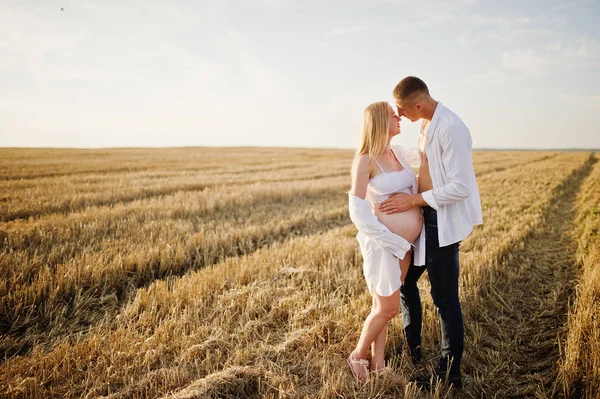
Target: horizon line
{"points": [[282, 147]]}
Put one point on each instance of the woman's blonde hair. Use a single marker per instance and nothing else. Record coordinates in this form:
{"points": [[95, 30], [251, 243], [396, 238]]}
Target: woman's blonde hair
{"points": [[375, 131]]}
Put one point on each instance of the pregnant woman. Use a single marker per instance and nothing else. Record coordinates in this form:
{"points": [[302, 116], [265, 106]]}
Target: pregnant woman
{"points": [[378, 171]]}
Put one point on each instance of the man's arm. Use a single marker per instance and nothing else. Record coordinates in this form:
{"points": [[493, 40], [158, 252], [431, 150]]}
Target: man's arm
{"points": [[458, 163], [401, 202]]}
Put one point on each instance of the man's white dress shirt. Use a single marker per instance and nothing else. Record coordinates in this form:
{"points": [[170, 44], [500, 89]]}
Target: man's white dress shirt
{"points": [[455, 195]]}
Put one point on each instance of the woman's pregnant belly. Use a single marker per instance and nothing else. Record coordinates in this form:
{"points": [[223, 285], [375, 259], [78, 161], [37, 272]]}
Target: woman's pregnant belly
{"points": [[406, 224]]}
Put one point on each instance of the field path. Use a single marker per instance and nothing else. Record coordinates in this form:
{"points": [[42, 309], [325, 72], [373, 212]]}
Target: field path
{"points": [[526, 303]]}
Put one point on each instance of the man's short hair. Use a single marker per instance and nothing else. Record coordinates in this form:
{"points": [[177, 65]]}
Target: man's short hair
{"points": [[409, 87]]}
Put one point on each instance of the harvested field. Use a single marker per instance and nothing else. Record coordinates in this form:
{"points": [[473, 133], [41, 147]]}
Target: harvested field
{"points": [[213, 272]]}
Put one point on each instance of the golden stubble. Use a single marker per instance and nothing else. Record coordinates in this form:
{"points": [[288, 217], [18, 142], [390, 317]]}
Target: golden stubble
{"points": [[236, 273]]}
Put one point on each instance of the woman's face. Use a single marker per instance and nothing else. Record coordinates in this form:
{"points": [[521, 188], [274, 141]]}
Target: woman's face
{"points": [[393, 122]]}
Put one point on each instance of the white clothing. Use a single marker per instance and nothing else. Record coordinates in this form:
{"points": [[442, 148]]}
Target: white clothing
{"points": [[382, 186], [380, 247], [455, 195]]}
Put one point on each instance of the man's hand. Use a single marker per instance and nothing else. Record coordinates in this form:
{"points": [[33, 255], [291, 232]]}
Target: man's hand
{"points": [[401, 202]]}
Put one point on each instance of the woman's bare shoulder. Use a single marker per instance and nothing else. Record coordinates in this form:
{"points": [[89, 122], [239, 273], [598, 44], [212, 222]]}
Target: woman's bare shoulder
{"points": [[361, 163]]}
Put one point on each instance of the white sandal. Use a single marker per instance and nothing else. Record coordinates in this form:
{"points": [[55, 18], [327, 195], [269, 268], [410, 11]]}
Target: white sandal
{"points": [[362, 362]]}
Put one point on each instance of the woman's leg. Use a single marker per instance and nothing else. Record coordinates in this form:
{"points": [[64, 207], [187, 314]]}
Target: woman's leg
{"points": [[378, 350], [378, 346], [385, 308]]}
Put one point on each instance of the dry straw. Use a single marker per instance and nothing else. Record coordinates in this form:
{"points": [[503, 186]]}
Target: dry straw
{"points": [[236, 273]]}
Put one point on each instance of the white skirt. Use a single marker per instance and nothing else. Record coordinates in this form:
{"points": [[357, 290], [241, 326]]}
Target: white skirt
{"points": [[380, 267]]}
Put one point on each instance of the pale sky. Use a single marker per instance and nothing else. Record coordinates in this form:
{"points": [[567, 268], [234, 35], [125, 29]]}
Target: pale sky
{"points": [[107, 73]]}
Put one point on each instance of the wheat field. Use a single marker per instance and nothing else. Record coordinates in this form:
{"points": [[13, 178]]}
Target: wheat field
{"points": [[235, 273]]}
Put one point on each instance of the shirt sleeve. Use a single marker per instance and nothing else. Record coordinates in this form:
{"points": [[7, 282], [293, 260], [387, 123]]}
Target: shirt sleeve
{"points": [[428, 197], [456, 159], [367, 223]]}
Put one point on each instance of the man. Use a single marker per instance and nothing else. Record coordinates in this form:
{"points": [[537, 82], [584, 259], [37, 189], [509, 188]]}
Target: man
{"points": [[449, 197]]}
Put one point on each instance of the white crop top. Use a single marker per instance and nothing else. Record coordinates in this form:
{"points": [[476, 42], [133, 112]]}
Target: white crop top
{"points": [[383, 185]]}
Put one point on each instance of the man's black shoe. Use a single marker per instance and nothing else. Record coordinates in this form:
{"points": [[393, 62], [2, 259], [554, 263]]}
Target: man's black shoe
{"points": [[427, 380], [415, 355]]}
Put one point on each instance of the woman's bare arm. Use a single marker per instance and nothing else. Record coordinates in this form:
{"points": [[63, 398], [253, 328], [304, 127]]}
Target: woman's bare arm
{"points": [[360, 176]]}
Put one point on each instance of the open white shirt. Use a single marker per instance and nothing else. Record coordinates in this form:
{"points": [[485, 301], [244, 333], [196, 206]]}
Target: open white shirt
{"points": [[455, 195]]}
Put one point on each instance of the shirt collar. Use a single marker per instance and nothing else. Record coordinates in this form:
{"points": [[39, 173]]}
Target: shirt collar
{"points": [[435, 119]]}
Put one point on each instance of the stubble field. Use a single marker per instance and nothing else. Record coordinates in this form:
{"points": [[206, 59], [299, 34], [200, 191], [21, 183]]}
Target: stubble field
{"points": [[211, 272]]}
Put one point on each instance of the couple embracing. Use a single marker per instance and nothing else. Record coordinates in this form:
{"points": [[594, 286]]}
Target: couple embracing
{"points": [[408, 224]]}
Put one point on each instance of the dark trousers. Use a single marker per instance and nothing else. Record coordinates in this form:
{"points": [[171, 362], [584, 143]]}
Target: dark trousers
{"points": [[442, 264]]}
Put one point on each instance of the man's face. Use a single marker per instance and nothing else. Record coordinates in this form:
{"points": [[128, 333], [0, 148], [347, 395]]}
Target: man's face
{"points": [[408, 110]]}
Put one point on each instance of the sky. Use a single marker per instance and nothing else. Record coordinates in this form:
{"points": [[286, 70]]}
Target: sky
{"points": [[295, 73]]}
